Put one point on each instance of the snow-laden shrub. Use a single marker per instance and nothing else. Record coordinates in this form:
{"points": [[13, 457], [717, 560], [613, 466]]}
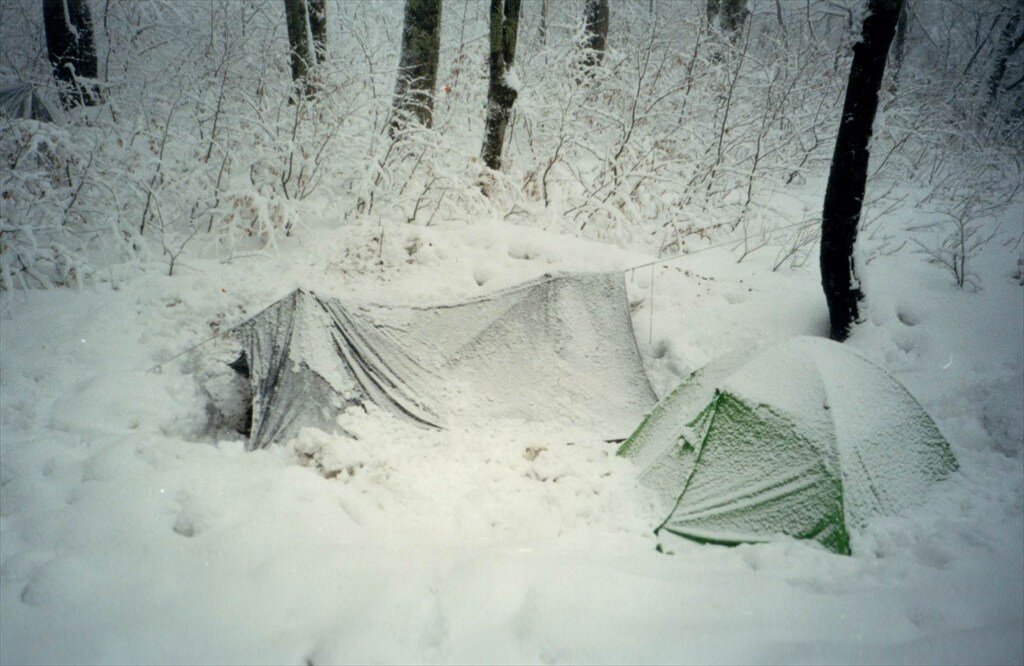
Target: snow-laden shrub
{"points": [[60, 217], [683, 136]]}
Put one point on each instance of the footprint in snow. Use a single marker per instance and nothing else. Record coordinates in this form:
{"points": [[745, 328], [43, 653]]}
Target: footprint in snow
{"points": [[907, 315]]}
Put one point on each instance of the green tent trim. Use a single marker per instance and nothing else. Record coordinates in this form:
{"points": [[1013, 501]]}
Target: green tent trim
{"points": [[729, 421]]}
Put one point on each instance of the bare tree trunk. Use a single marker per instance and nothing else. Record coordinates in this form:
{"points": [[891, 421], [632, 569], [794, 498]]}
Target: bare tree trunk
{"points": [[711, 9], [899, 47], [778, 17], [595, 30], [1007, 46], [317, 10], [417, 67], [500, 96], [71, 50], [847, 178], [297, 19], [734, 16], [544, 11]]}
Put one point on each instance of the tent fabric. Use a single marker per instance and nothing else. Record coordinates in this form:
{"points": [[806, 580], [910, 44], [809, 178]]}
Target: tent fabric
{"points": [[559, 349], [22, 101], [805, 439]]}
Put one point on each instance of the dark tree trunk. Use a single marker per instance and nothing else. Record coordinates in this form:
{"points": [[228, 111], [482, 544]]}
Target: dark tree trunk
{"points": [[711, 9], [71, 50], [318, 28], [297, 20], [778, 17], [1007, 46], [417, 67], [731, 14], [899, 45], [595, 30], [734, 16], [847, 178], [544, 22], [500, 96]]}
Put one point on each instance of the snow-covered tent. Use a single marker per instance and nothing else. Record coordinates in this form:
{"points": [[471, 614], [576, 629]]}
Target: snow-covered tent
{"points": [[558, 349], [806, 439], [21, 100]]}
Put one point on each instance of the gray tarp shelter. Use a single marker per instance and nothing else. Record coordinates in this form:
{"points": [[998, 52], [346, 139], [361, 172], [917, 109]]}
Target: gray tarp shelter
{"points": [[559, 349], [21, 100]]}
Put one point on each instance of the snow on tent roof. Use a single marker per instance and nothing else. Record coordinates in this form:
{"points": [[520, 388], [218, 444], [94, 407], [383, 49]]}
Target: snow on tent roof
{"points": [[558, 349], [805, 439], [22, 101]]}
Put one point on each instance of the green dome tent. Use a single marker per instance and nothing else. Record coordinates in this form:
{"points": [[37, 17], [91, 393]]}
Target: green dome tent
{"points": [[805, 439]]}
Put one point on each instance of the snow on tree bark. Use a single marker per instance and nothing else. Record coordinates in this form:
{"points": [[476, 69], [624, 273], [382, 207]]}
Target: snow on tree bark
{"points": [[847, 178], [71, 50], [543, 31], [734, 16], [595, 30], [317, 10], [417, 66], [500, 95], [296, 17], [731, 14], [711, 9], [1007, 46], [899, 46]]}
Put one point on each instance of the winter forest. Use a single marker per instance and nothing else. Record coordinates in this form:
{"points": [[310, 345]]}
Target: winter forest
{"points": [[561, 331]]}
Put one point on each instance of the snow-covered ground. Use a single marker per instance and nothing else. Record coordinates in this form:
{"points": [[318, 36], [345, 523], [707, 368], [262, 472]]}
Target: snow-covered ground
{"points": [[136, 529]]}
